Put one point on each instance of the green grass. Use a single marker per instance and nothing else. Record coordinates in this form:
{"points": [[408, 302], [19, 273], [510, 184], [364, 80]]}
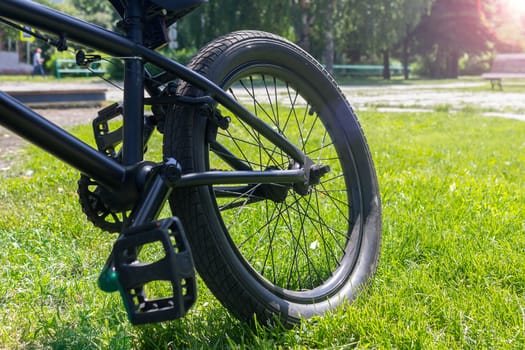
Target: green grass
{"points": [[451, 274]]}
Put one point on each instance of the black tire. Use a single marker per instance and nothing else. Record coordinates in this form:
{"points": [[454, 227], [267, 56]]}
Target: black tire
{"points": [[287, 255]]}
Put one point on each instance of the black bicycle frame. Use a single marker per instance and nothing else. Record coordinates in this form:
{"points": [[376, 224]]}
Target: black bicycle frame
{"points": [[43, 133]]}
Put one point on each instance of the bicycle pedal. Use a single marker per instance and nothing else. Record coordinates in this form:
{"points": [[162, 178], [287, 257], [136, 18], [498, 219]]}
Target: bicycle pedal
{"points": [[162, 286], [105, 138]]}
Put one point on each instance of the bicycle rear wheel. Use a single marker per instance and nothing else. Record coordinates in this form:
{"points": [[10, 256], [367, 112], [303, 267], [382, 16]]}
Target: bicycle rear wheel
{"points": [[273, 250]]}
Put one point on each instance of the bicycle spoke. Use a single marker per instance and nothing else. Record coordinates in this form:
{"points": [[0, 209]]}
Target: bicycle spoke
{"points": [[317, 221], [299, 230]]}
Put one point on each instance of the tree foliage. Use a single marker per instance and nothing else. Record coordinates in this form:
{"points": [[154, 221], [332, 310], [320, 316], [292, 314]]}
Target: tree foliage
{"points": [[383, 25], [219, 17], [99, 12], [435, 32], [452, 29]]}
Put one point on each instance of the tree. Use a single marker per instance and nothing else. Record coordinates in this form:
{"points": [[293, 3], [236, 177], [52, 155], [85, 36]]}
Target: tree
{"points": [[329, 37], [219, 17], [412, 11], [506, 21], [97, 12], [454, 27], [313, 23], [322, 27], [384, 25], [302, 19]]}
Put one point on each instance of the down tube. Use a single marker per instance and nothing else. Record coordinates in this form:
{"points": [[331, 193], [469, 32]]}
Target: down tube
{"points": [[43, 133], [93, 36]]}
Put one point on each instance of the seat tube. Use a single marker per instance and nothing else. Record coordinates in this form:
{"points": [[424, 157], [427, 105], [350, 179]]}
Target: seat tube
{"points": [[132, 149]]}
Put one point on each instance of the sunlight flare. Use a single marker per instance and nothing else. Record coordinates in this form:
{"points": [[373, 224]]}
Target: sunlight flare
{"points": [[516, 6]]}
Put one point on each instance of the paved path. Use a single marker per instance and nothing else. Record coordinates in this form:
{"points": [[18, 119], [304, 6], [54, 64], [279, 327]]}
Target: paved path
{"points": [[429, 97], [112, 93]]}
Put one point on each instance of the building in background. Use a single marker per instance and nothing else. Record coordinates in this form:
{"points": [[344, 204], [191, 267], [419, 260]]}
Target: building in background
{"points": [[15, 54]]}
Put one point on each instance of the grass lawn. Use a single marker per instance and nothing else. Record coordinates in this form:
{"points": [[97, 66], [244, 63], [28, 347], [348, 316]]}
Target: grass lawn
{"points": [[451, 273]]}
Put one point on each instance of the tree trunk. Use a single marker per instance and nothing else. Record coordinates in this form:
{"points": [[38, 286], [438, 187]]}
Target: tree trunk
{"points": [[452, 69], [406, 57], [329, 37], [386, 65], [437, 71], [304, 30]]}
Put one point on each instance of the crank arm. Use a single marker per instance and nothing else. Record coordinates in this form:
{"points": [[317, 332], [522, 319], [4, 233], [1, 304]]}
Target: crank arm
{"points": [[157, 191]]}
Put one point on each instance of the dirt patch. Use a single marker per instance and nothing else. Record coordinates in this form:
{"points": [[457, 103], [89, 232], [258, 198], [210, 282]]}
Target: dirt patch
{"points": [[10, 143]]}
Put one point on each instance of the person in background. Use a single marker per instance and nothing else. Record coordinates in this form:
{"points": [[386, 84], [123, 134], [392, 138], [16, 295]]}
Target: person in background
{"points": [[38, 62]]}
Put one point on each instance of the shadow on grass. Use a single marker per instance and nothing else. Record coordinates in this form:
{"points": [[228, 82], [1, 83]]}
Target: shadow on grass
{"points": [[206, 327], [209, 327]]}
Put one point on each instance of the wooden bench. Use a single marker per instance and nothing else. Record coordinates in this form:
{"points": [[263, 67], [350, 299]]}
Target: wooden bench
{"points": [[69, 66], [365, 70], [506, 66]]}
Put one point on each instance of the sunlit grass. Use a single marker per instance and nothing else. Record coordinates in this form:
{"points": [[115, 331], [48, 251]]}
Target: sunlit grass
{"points": [[451, 273]]}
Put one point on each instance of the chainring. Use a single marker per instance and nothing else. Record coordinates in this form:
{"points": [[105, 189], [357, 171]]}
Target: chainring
{"points": [[96, 209]]}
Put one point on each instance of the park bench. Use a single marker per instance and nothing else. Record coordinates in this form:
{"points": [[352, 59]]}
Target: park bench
{"points": [[506, 66], [364, 70], [69, 66]]}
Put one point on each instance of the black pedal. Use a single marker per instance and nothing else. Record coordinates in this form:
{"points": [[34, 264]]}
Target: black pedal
{"points": [[107, 139], [166, 268]]}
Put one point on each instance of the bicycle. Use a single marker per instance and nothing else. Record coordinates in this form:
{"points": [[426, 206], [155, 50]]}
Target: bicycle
{"points": [[267, 172]]}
